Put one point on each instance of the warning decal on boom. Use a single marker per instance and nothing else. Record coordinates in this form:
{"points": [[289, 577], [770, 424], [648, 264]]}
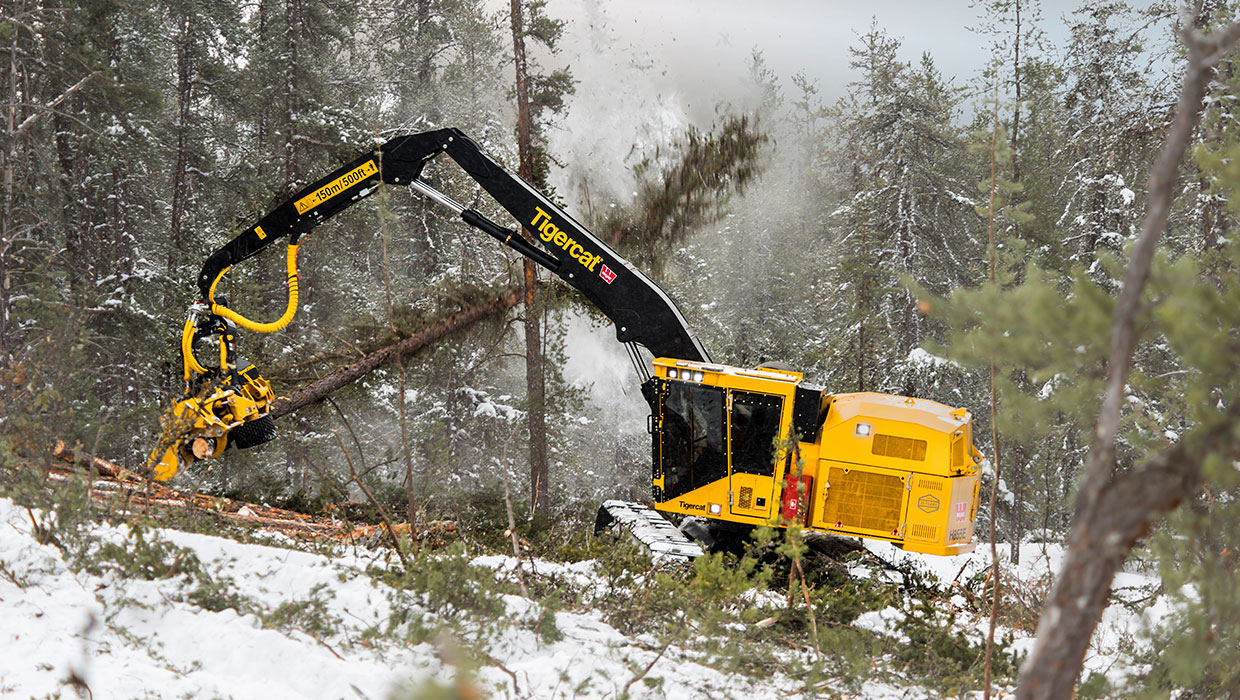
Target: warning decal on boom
{"points": [[336, 186]]}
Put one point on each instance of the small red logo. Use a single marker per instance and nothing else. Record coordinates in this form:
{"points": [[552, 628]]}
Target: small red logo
{"points": [[962, 512], [607, 275]]}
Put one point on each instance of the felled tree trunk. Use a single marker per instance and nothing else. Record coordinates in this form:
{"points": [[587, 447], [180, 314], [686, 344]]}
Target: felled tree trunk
{"points": [[317, 390], [109, 482], [63, 452]]}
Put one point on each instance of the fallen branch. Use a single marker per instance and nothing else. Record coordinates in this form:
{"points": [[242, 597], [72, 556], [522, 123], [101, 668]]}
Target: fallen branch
{"points": [[512, 521], [387, 522], [645, 671], [50, 106], [516, 689]]}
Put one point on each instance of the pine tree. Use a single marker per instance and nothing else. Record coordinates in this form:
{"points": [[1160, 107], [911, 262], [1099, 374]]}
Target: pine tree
{"points": [[1197, 552], [538, 97]]}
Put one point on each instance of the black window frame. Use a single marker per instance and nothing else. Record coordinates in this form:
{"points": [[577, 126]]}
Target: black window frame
{"points": [[754, 453]]}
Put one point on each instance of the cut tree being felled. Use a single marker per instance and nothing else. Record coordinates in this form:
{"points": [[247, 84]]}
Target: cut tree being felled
{"points": [[687, 193], [325, 386]]}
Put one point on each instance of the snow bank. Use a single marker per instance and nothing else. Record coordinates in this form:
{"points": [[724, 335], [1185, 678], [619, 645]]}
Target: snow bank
{"points": [[130, 638]]}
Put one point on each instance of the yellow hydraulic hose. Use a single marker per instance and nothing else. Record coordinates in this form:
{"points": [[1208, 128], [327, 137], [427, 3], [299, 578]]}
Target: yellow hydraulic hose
{"points": [[254, 325], [187, 351]]}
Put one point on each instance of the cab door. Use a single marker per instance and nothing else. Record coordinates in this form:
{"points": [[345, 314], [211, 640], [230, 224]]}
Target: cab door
{"points": [[753, 423], [689, 438]]}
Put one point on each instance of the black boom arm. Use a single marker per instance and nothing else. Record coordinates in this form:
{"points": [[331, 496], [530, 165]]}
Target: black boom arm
{"points": [[640, 310]]}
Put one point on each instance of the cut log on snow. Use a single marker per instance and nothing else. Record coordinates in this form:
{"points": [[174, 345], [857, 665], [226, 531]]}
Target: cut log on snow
{"points": [[321, 388], [113, 482], [62, 452]]}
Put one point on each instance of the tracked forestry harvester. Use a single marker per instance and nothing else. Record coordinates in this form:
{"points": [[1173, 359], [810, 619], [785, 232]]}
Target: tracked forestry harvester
{"points": [[748, 446]]}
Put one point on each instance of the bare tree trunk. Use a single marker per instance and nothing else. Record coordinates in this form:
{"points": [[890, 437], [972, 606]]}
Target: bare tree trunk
{"points": [[6, 215], [1114, 511], [995, 570], [535, 380], [180, 170], [1016, 105], [862, 303], [411, 502], [1016, 526], [261, 134], [291, 20]]}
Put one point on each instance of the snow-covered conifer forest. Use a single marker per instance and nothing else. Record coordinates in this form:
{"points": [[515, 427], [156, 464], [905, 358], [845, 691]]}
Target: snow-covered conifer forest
{"points": [[1043, 238]]}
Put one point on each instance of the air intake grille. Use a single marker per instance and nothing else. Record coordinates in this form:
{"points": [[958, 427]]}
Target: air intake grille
{"points": [[903, 448], [746, 499], [923, 532], [859, 499], [929, 485]]}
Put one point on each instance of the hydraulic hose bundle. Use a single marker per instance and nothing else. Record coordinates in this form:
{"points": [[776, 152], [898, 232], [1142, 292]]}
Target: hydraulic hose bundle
{"points": [[278, 324]]}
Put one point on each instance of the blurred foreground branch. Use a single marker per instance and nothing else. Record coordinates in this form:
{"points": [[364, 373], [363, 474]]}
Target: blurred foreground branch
{"points": [[1114, 511]]}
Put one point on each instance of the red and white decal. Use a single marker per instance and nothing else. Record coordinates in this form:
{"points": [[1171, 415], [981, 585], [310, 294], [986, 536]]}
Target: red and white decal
{"points": [[607, 275], [962, 512]]}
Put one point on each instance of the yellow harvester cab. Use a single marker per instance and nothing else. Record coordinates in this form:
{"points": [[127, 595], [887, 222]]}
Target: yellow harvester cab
{"points": [[874, 465]]}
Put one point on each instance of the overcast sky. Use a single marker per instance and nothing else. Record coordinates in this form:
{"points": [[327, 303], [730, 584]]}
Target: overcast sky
{"points": [[649, 68], [703, 44]]}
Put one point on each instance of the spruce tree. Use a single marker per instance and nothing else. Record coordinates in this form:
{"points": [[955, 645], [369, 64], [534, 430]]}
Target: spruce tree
{"points": [[1110, 136], [898, 210]]}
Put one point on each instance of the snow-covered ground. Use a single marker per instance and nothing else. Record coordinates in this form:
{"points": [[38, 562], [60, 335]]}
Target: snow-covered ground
{"points": [[126, 637], [1120, 627]]}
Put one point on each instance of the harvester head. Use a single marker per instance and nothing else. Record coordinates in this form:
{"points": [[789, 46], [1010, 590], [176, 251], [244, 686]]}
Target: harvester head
{"points": [[222, 405]]}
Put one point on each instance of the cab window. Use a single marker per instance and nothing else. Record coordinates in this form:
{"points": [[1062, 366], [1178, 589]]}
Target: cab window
{"points": [[692, 438], [755, 423]]}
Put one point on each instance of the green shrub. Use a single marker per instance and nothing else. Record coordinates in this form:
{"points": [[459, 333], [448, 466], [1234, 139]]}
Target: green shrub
{"points": [[61, 513], [310, 615], [218, 594], [545, 625], [447, 585], [840, 598], [940, 655], [143, 554]]}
